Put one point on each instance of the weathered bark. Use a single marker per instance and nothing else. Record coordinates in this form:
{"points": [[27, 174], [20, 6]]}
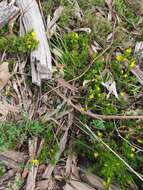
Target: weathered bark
{"points": [[41, 57], [7, 13]]}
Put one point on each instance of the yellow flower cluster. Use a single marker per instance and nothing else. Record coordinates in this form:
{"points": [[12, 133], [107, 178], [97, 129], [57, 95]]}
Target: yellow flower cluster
{"points": [[128, 58], [132, 155], [30, 39], [120, 58], [35, 162]]}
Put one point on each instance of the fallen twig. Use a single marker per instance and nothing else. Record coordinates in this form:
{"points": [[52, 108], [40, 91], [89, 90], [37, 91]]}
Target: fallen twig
{"points": [[98, 116]]}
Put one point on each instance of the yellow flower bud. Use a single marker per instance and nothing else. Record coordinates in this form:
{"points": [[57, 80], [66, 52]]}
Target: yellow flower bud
{"points": [[129, 50], [97, 88], [132, 64], [99, 134], [76, 35], [33, 34], [132, 155], [91, 96], [133, 149], [125, 75], [96, 154], [122, 93]]}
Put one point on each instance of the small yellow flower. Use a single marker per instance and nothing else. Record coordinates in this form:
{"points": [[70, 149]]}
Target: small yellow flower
{"points": [[75, 35], [35, 162], [99, 134], [132, 155], [122, 71], [91, 96], [125, 75], [129, 50], [33, 34], [104, 183], [29, 46], [108, 180], [133, 149], [120, 58], [99, 95], [96, 154], [132, 63], [122, 93], [97, 88], [84, 109]]}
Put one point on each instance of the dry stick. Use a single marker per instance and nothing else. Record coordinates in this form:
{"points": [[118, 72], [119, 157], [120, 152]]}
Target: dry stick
{"points": [[97, 116], [104, 117]]}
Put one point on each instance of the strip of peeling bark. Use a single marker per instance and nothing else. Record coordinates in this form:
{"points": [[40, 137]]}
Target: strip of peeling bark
{"points": [[41, 57], [7, 13]]}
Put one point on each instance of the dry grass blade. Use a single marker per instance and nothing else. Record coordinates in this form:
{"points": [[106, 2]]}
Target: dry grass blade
{"points": [[51, 24], [6, 108], [63, 83], [78, 12], [138, 73], [56, 16], [68, 165], [4, 74]]}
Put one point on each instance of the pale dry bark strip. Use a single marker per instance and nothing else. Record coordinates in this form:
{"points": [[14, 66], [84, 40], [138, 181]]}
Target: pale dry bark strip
{"points": [[7, 12], [33, 171], [41, 57], [34, 151]]}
